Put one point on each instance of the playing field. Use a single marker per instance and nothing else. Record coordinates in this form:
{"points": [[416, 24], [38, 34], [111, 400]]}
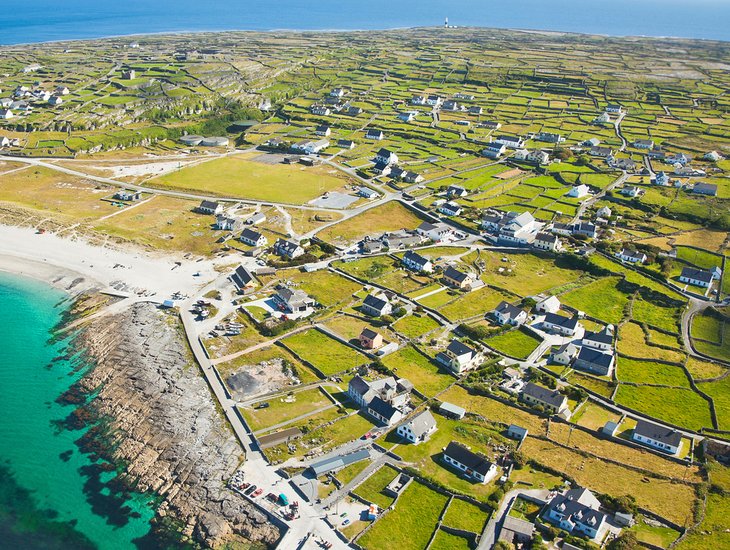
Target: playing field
{"points": [[240, 176]]}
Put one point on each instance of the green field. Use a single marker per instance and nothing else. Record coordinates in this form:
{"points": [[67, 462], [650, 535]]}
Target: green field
{"points": [[601, 299], [326, 354], [426, 376], [682, 407], [515, 343], [465, 515], [240, 176]]}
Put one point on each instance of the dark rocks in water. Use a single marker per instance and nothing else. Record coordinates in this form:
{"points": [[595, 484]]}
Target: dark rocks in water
{"points": [[75, 395], [66, 455]]}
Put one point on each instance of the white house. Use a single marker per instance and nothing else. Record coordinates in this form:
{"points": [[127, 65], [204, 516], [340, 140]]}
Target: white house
{"points": [[511, 142], [384, 156], [577, 512], [631, 256], [417, 429], [657, 437], [323, 130], [6, 114], [578, 191], [697, 277], [472, 465], [253, 238], [377, 135], [594, 361], [644, 144], [376, 305], [210, 207], [450, 209], [547, 241], [436, 233], [567, 326], [601, 340], [551, 304], [459, 357], [507, 314], [416, 262], [287, 249], [551, 400], [538, 157], [564, 354], [494, 150]]}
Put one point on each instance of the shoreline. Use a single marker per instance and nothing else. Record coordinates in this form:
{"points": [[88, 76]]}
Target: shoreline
{"points": [[178, 33]]}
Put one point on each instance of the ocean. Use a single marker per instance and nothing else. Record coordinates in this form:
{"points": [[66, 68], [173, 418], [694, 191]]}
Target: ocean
{"points": [[51, 495], [46, 20]]}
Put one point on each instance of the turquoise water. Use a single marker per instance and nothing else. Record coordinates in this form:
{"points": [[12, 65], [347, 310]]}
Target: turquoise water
{"points": [[51, 495], [44, 20]]}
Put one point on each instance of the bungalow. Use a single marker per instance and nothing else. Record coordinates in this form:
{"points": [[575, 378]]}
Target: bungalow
{"points": [[382, 169], [613, 108], [4, 141], [630, 191], [456, 191], [369, 339], [210, 207], [320, 110], [621, 163], [631, 256], [577, 512], [507, 314], [511, 142], [547, 241], [697, 277], [256, 218], [549, 137], [604, 212], [323, 130], [538, 157], [491, 124], [416, 262], [383, 411], [585, 228], [450, 209], [419, 428], [594, 361], [224, 223], [252, 238], [459, 357], [713, 156], [578, 191], [243, 279], [516, 432], [62, 90], [337, 92], [702, 188], [55, 100], [376, 305], [371, 247], [601, 340], [346, 143], [401, 239], [494, 150], [661, 179], [475, 110], [518, 228], [293, 300], [551, 304], [353, 111], [563, 229], [603, 118], [551, 400], [656, 154], [458, 279], [309, 147], [592, 142], [121, 195], [644, 144], [434, 101], [601, 152], [407, 116], [679, 158], [367, 193], [566, 326], [377, 135], [658, 437], [462, 95], [287, 249], [418, 100], [451, 105], [6, 102], [564, 354], [385, 156], [436, 233], [475, 466]]}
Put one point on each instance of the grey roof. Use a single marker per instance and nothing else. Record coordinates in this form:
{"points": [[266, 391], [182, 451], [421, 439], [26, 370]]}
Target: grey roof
{"points": [[367, 332], [459, 348], [697, 274], [705, 188], [358, 385], [383, 152], [383, 408], [415, 258], [286, 247], [595, 357], [546, 237], [658, 433], [208, 205], [517, 525], [576, 510], [422, 423], [242, 276], [561, 321], [375, 302], [505, 308], [552, 397], [471, 460], [337, 462], [250, 235], [455, 274], [603, 337], [452, 409]]}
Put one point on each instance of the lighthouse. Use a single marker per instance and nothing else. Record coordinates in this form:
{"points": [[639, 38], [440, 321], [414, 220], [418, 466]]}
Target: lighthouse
{"points": [[446, 23]]}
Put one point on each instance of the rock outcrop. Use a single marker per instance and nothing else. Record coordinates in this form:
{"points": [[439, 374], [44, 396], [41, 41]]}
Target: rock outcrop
{"points": [[165, 425]]}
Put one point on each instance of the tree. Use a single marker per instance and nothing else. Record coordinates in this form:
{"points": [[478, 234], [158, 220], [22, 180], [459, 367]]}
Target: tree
{"points": [[519, 459], [627, 541], [562, 153], [502, 545]]}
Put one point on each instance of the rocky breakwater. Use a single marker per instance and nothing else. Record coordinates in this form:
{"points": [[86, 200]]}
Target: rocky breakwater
{"points": [[162, 425]]}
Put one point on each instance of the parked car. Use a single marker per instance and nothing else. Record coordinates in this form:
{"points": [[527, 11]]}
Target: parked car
{"points": [[257, 492], [250, 490]]}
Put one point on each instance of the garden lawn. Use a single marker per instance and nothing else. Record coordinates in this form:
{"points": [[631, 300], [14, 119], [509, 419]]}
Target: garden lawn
{"points": [[240, 176], [515, 343], [372, 488], [474, 303], [411, 524], [447, 541], [325, 353], [416, 325], [465, 515], [280, 410], [600, 299], [682, 407], [426, 376]]}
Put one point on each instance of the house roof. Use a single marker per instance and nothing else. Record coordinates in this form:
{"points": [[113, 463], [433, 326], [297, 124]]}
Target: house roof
{"points": [[576, 510], [549, 301], [517, 525], [464, 456], [358, 385], [375, 302], [292, 295], [552, 397], [658, 433], [603, 336], [515, 429], [703, 187], [422, 423], [452, 409], [595, 357], [697, 274], [286, 246], [456, 275], [242, 276], [415, 258], [632, 254], [368, 333], [546, 237], [568, 348], [382, 408], [561, 321], [208, 205], [459, 348], [505, 308], [426, 226], [250, 234], [383, 152]]}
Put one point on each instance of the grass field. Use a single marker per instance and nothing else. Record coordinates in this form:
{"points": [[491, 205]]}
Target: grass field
{"points": [[426, 376], [388, 217], [286, 408], [329, 289], [704, 369], [594, 416], [600, 299], [515, 343], [411, 524], [372, 488], [240, 176], [652, 534], [464, 515], [416, 325], [632, 341], [720, 393], [474, 303], [325, 353], [647, 372], [447, 541], [682, 407], [715, 331]]}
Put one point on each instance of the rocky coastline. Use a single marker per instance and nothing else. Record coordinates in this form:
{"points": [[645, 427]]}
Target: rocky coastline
{"points": [[155, 419]]}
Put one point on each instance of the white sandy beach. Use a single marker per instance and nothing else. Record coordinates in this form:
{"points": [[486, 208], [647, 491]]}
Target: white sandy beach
{"points": [[76, 265]]}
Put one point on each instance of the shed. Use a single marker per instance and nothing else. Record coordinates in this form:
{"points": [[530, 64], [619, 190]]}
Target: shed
{"points": [[451, 410]]}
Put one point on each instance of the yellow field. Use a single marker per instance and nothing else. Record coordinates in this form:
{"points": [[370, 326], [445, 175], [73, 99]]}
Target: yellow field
{"points": [[388, 217]]}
